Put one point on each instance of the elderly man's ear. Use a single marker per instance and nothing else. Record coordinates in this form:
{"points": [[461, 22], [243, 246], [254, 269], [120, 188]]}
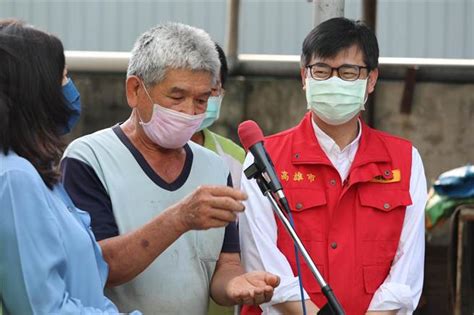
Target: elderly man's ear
{"points": [[132, 88]]}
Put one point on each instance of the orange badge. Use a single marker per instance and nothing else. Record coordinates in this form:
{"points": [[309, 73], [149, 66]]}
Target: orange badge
{"points": [[311, 177], [396, 178], [298, 177], [284, 176]]}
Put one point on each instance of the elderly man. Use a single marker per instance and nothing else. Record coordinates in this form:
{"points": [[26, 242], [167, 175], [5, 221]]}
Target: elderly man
{"points": [[357, 194], [160, 208]]}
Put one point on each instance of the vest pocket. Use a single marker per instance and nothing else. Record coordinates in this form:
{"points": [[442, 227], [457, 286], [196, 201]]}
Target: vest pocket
{"points": [[316, 250], [306, 207], [374, 276], [302, 199], [383, 200], [380, 214]]}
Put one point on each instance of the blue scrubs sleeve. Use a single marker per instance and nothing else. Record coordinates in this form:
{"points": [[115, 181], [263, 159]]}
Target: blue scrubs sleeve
{"points": [[32, 256]]}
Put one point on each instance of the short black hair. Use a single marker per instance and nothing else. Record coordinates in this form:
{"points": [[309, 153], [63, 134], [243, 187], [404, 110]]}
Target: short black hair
{"points": [[334, 35], [32, 106], [224, 68]]}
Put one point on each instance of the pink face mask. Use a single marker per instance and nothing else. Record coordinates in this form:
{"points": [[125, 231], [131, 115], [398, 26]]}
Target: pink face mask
{"points": [[170, 129]]}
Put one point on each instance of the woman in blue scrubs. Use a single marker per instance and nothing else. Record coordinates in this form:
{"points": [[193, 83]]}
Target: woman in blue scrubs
{"points": [[49, 259]]}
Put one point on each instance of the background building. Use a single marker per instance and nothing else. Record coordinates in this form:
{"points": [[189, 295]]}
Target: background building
{"points": [[406, 28]]}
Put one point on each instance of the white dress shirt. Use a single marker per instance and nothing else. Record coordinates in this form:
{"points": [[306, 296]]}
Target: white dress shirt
{"points": [[401, 289]]}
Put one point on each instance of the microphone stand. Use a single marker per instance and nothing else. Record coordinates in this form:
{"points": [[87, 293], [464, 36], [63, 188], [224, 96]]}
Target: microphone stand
{"points": [[333, 307]]}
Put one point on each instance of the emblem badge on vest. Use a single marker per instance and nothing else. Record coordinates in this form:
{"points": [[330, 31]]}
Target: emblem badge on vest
{"points": [[394, 178]]}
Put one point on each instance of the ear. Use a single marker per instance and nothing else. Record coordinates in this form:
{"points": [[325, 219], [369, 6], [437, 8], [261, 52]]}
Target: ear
{"points": [[372, 80], [303, 77], [132, 86]]}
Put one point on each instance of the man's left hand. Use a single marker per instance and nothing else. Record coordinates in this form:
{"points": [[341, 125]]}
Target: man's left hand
{"points": [[252, 288]]}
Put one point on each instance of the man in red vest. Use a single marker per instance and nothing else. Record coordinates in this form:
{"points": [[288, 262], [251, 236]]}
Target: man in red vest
{"points": [[357, 195]]}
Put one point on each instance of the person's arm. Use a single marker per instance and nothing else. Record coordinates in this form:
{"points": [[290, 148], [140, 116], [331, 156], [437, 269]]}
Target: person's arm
{"points": [[87, 192], [401, 290], [129, 254], [207, 207], [259, 251], [230, 285], [33, 256]]}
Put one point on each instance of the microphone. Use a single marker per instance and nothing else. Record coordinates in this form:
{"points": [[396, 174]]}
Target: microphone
{"points": [[251, 137]]}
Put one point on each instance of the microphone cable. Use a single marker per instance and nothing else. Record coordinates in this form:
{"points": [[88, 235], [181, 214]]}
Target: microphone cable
{"points": [[298, 266]]}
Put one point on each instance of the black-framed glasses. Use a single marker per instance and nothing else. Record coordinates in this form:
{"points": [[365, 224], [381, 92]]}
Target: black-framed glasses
{"points": [[321, 71]]}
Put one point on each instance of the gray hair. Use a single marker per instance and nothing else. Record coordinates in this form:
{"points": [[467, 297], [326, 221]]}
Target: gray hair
{"points": [[172, 46]]}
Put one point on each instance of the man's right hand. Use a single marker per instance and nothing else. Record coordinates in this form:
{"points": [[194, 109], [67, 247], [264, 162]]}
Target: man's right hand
{"points": [[209, 207]]}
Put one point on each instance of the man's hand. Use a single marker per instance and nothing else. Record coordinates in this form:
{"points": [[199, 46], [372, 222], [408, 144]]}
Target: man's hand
{"points": [[209, 207], [230, 285], [252, 288]]}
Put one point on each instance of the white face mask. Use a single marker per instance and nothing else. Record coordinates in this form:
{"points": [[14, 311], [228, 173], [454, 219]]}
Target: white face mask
{"points": [[168, 128], [334, 100]]}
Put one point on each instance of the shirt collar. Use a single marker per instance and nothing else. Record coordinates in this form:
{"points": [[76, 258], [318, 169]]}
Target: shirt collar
{"points": [[209, 140], [330, 147], [306, 149]]}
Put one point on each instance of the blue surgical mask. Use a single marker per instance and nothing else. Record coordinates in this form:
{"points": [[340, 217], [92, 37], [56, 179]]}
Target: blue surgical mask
{"points": [[212, 111], [73, 102]]}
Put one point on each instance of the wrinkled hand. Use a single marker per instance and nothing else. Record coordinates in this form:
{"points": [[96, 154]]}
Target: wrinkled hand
{"points": [[252, 288], [209, 207]]}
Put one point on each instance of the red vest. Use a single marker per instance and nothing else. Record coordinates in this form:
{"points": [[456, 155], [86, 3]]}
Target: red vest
{"points": [[351, 229]]}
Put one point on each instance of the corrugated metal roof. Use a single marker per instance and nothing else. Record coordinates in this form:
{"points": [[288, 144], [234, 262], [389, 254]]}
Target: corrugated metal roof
{"points": [[416, 28]]}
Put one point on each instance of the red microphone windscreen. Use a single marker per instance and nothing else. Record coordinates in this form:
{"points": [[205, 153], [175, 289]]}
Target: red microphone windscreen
{"points": [[249, 133]]}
